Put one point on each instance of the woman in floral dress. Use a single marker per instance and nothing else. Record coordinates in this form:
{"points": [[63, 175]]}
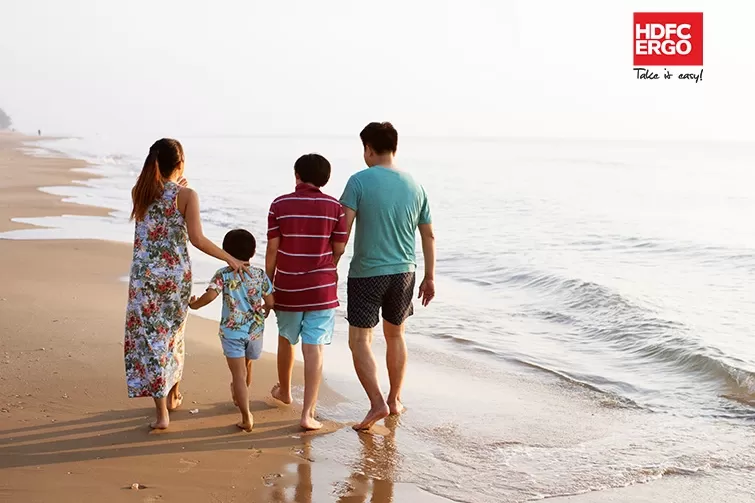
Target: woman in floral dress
{"points": [[167, 218]]}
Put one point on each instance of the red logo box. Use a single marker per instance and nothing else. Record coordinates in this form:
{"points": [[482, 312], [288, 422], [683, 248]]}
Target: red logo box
{"points": [[668, 38]]}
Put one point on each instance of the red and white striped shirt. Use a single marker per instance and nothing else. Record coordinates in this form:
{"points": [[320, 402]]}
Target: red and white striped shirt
{"points": [[307, 223]]}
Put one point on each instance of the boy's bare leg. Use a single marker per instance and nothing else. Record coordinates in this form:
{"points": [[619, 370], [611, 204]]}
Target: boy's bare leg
{"points": [[237, 367], [395, 358], [161, 412], [360, 342], [282, 390], [312, 377]]}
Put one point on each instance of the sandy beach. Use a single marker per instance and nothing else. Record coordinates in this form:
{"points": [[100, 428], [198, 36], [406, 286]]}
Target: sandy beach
{"points": [[68, 433], [67, 430]]}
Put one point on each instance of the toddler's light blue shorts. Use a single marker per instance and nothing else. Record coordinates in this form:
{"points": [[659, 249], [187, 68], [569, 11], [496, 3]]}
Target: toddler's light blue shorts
{"points": [[251, 349]]}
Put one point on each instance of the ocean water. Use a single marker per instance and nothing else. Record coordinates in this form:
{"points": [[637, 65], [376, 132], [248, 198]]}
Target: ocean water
{"points": [[593, 323]]}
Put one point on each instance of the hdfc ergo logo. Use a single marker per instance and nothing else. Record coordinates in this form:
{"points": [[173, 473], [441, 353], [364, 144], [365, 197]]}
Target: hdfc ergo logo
{"points": [[668, 38]]}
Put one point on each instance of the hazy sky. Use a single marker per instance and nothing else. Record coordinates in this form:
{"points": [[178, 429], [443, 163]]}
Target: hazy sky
{"points": [[433, 67]]}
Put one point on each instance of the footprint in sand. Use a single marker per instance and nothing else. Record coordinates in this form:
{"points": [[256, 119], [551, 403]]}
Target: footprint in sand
{"points": [[190, 463]]}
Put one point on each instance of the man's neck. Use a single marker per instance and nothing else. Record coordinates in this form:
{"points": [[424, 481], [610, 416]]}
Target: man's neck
{"points": [[385, 161]]}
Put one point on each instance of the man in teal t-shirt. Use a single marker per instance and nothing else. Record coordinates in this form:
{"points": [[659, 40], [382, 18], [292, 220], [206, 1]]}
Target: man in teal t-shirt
{"points": [[389, 207]]}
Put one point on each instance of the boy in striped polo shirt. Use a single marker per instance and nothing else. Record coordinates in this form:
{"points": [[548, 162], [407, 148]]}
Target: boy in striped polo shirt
{"points": [[306, 238]]}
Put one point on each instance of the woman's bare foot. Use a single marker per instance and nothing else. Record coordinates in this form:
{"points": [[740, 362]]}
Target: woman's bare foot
{"points": [[277, 393], [175, 402], [233, 396], [175, 398], [161, 424], [375, 414], [246, 426], [396, 407]]}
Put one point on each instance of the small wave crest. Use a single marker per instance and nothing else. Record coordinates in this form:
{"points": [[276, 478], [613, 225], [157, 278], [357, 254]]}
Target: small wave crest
{"points": [[600, 315], [637, 339]]}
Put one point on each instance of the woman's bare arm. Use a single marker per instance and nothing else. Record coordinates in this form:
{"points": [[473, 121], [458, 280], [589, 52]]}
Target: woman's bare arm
{"points": [[188, 205]]}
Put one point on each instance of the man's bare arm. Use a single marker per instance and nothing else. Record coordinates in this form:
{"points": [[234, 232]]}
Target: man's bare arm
{"points": [[351, 215], [427, 288]]}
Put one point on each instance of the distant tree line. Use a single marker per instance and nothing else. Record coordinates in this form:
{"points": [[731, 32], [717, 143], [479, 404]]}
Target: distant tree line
{"points": [[5, 121]]}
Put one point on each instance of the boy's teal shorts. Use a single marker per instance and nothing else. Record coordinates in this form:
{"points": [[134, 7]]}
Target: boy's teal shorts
{"points": [[312, 327]]}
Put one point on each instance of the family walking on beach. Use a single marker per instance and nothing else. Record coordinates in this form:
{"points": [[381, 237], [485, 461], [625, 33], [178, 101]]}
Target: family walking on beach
{"points": [[306, 237]]}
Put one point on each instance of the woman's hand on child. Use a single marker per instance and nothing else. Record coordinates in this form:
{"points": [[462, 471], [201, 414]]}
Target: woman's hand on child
{"points": [[238, 266], [192, 300]]}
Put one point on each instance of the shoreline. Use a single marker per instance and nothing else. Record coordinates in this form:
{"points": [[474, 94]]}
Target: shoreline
{"points": [[62, 306]]}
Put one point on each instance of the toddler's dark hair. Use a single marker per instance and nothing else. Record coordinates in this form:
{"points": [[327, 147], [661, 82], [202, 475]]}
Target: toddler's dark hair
{"points": [[240, 243], [313, 168]]}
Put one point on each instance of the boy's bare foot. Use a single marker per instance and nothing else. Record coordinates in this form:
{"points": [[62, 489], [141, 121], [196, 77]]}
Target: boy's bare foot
{"points": [[246, 426], [233, 396], [396, 408], [309, 423], [160, 425], [373, 416], [277, 393]]}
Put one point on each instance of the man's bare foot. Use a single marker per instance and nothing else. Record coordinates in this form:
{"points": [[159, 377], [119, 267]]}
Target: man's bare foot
{"points": [[309, 423], [373, 416], [160, 425], [277, 393], [233, 396], [396, 408], [246, 426]]}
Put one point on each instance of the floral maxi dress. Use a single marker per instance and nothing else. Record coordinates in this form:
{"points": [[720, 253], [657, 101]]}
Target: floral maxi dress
{"points": [[158, 299]]}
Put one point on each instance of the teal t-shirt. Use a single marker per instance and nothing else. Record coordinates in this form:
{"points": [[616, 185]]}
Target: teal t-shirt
{"points": [[389, 206]]}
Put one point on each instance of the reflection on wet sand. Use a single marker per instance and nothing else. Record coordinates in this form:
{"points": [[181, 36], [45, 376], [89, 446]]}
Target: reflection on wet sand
{"points": [[371, 478]]}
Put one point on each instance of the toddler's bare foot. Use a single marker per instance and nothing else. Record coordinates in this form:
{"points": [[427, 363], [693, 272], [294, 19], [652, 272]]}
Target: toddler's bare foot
{"points": [[375, 414], [277, 393], [160, 425], [247, 426], [396, 407]]}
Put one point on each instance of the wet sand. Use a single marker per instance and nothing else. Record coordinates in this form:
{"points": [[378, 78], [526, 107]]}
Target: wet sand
{"points": [[68, 433]]}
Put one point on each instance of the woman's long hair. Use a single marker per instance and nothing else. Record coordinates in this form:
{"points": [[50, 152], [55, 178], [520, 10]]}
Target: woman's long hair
{"points": [[165, 156]]}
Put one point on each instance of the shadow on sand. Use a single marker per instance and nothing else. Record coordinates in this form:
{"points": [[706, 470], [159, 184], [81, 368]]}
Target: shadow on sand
{"points": [[125, 433]]}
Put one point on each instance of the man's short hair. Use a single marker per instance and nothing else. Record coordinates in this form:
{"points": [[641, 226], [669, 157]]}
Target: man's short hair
{"points": [[313, 168], [381, 137]]}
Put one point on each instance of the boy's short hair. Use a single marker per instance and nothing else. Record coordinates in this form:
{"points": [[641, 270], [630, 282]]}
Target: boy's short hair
{"points": [[313, 168], [240, 244], [381, 137]]}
